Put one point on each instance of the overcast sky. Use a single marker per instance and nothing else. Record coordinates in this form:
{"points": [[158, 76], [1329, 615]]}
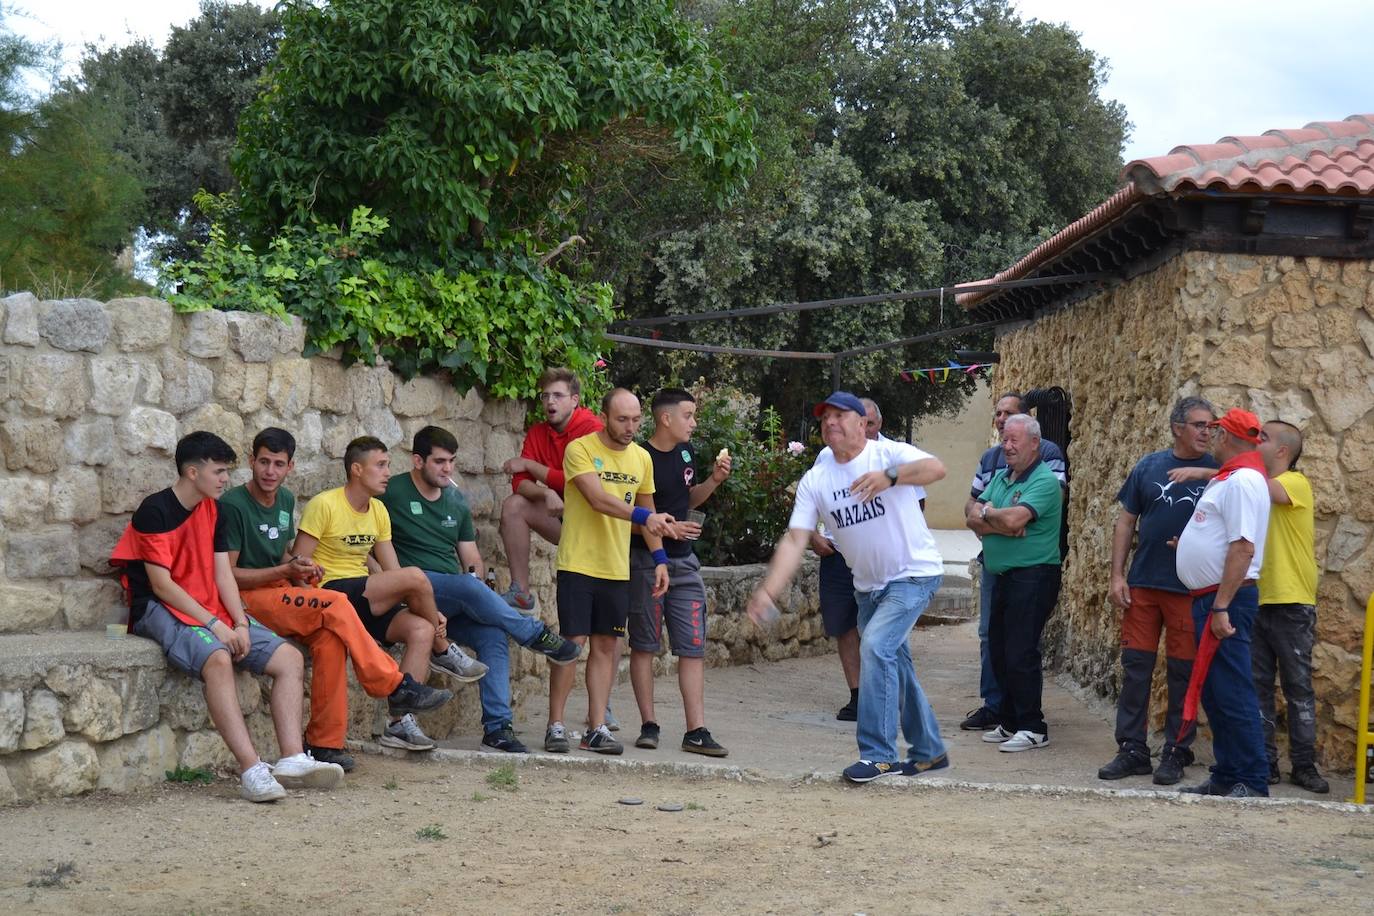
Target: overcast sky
{"points": [[1187, 72]]}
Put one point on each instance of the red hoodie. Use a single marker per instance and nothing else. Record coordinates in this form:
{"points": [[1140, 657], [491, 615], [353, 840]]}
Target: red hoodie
{"points": [[546, 445]]}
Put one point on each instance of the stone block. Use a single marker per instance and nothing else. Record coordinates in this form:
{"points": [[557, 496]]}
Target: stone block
{"points": [[182, 703], [205, 334], [313, 477], [74, 324], [139, 699], [206, 749], [288, 390], [329, 388], [123, 486], [1347, 539], [338, 434], [42, 720], [471, 455], [504, 412], [23, 500], [255, 381], [75, 495], [97, 540], [213, 418], [11, 719], [69, 769], [137, 761], [372, 387], [45, 552], [26, 608], [21, 319], [1238, 360], [229, 379], [35, 445], [419, 397], [382, 423], [55, 384], [89, 604], [1297, 331], [1338, 326], [255, 337], [501, 446], [309, 432], [91, 441], [292, 337], [1357, 445], [186, 384], [147, 428], [1343, 388], [114, 384], [140, 323], [95, 711]]}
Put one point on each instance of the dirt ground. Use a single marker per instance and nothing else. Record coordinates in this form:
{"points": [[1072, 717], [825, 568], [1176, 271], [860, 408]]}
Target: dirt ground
{"points": [[403, 835]]}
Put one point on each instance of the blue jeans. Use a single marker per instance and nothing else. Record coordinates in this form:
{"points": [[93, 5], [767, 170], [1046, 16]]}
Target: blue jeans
{"points": [[988, 687], [888, 688], [480, 618], [1228, 696]]}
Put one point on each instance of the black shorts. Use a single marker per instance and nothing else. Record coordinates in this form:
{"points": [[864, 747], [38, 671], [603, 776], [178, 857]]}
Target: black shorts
{"points": [[839, 609], [375, 624], [588, 606]]}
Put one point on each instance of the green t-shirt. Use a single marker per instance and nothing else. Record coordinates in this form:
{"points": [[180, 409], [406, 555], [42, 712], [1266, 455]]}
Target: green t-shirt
{"points": [[426, 533], [259, 534], [1040, 492]]}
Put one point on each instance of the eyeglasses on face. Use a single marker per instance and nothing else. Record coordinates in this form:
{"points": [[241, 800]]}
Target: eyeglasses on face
{"points": [[1199, 425], [553, 396]]}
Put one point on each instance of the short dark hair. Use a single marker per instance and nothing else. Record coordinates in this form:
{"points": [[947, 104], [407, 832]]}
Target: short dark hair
{"points": [[560, 374], [357, 449], [275, 439], [1020, 401], [1185, 406], [668, 398], [199, 447], [432, 437]]}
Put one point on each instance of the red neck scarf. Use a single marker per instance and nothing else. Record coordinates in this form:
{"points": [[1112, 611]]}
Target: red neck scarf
{"points": [[1250, 459]]}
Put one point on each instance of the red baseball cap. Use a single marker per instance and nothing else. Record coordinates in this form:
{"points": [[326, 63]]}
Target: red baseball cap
{"points": [[1240, 423]]}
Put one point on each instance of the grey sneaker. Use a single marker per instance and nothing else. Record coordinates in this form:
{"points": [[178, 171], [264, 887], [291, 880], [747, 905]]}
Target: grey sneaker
{"points": [[405, 734], [257, 784], [518, 598], [602, 741], [556, 739], [457, 664]]}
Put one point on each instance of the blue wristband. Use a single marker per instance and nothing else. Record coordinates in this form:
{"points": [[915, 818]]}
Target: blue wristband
{"points": [[661, 556], [640, 515]]}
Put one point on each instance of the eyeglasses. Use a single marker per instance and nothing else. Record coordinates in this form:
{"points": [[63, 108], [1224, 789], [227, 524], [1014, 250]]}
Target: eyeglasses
{"points": [[553, 396], [1199, 425]]}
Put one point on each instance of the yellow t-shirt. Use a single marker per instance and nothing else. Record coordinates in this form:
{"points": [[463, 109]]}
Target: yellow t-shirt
{"points": [[592, 543], [1289, 572], [346, 536]]}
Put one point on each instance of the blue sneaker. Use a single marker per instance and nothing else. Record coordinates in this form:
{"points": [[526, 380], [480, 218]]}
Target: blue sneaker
{"points": [[918, 767], [867, 771]]}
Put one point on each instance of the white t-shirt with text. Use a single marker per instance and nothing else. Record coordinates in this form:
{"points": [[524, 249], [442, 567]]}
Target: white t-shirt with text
{"points": [[882, 540], [1229, 510]]}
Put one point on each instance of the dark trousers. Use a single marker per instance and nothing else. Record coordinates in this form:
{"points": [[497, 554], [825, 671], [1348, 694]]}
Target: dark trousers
{"points": [[1228, 696], [1022, 601], [1282, 644]]}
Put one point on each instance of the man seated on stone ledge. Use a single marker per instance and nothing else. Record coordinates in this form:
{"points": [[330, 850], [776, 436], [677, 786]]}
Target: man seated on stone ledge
{"points": [[276, 588], [340, 529], [183, 596], [431, 528]]}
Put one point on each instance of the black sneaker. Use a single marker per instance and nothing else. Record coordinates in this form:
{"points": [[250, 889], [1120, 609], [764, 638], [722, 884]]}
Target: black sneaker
{"points": [[503, 739], [556, 739], [1274, 777], [1126, 763], [332, 755], [412, 696], [648, 736], [980, 720], [602, 741], [1241, 790], [555, 648], [1307, 777], [699, 741], [849, 712], [1207, 788], [1171, 764]]}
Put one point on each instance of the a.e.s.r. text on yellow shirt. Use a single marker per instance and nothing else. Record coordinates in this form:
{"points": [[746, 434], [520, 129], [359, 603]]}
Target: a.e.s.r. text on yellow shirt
{"points": [[346, 535], [592, 543]]}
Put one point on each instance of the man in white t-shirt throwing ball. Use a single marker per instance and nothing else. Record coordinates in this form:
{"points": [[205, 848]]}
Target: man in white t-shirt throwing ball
{"points": [[866, 492]]}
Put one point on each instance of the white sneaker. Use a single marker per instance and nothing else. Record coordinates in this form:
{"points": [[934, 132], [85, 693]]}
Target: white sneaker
{"points": [[457, 664], [257, 785], [301, 771], [1024, 741], [405, 734], [997, 735]]}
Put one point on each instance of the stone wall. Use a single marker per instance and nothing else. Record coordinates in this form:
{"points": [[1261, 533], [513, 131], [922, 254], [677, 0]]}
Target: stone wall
{"points": [[1290, 339]]}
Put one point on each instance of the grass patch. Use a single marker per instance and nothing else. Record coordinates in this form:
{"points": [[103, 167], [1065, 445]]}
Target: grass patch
{"points": [[54, 877], [693, 806], [391, 785], [479, 797], [1331, 862], [431, 832], [504, 778], [191, 775]]}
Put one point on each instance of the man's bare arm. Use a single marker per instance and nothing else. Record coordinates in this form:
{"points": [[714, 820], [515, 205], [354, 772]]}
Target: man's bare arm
{"points": [[1122, 535]]}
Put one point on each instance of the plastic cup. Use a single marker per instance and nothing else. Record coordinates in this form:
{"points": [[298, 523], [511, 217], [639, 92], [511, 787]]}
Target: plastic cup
{"points": [[696, 517], [116, 630]]}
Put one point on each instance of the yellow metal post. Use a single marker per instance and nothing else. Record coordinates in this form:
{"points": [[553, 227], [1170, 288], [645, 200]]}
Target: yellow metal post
{"points": [[1363, 736]]}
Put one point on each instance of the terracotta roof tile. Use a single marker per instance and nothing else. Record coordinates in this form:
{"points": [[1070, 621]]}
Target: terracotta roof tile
{"points": [[1324, 158]]}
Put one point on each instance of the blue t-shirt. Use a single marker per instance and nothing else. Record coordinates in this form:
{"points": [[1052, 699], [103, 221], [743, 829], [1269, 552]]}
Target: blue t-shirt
{"points": [[1162, 509], [994, 460]]}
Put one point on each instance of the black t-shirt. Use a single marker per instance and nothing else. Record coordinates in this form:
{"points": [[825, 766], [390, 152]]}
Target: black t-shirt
{"points": [[674, 476], [160, 514]]}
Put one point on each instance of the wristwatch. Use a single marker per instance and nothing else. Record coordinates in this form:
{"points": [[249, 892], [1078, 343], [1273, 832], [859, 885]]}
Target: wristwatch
{"points": [[892, 475], [983, 515]]}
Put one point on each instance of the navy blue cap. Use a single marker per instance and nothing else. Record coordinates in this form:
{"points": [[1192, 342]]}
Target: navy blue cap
{"points": [[844, 401]]}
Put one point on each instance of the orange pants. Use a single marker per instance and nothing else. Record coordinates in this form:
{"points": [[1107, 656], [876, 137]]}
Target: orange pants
{"points": [[329, 626]]}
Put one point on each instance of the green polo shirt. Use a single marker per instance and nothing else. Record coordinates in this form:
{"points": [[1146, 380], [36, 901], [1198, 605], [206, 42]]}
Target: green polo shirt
{"points": [[1038, 491], [260, 534], [426, 533]]}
